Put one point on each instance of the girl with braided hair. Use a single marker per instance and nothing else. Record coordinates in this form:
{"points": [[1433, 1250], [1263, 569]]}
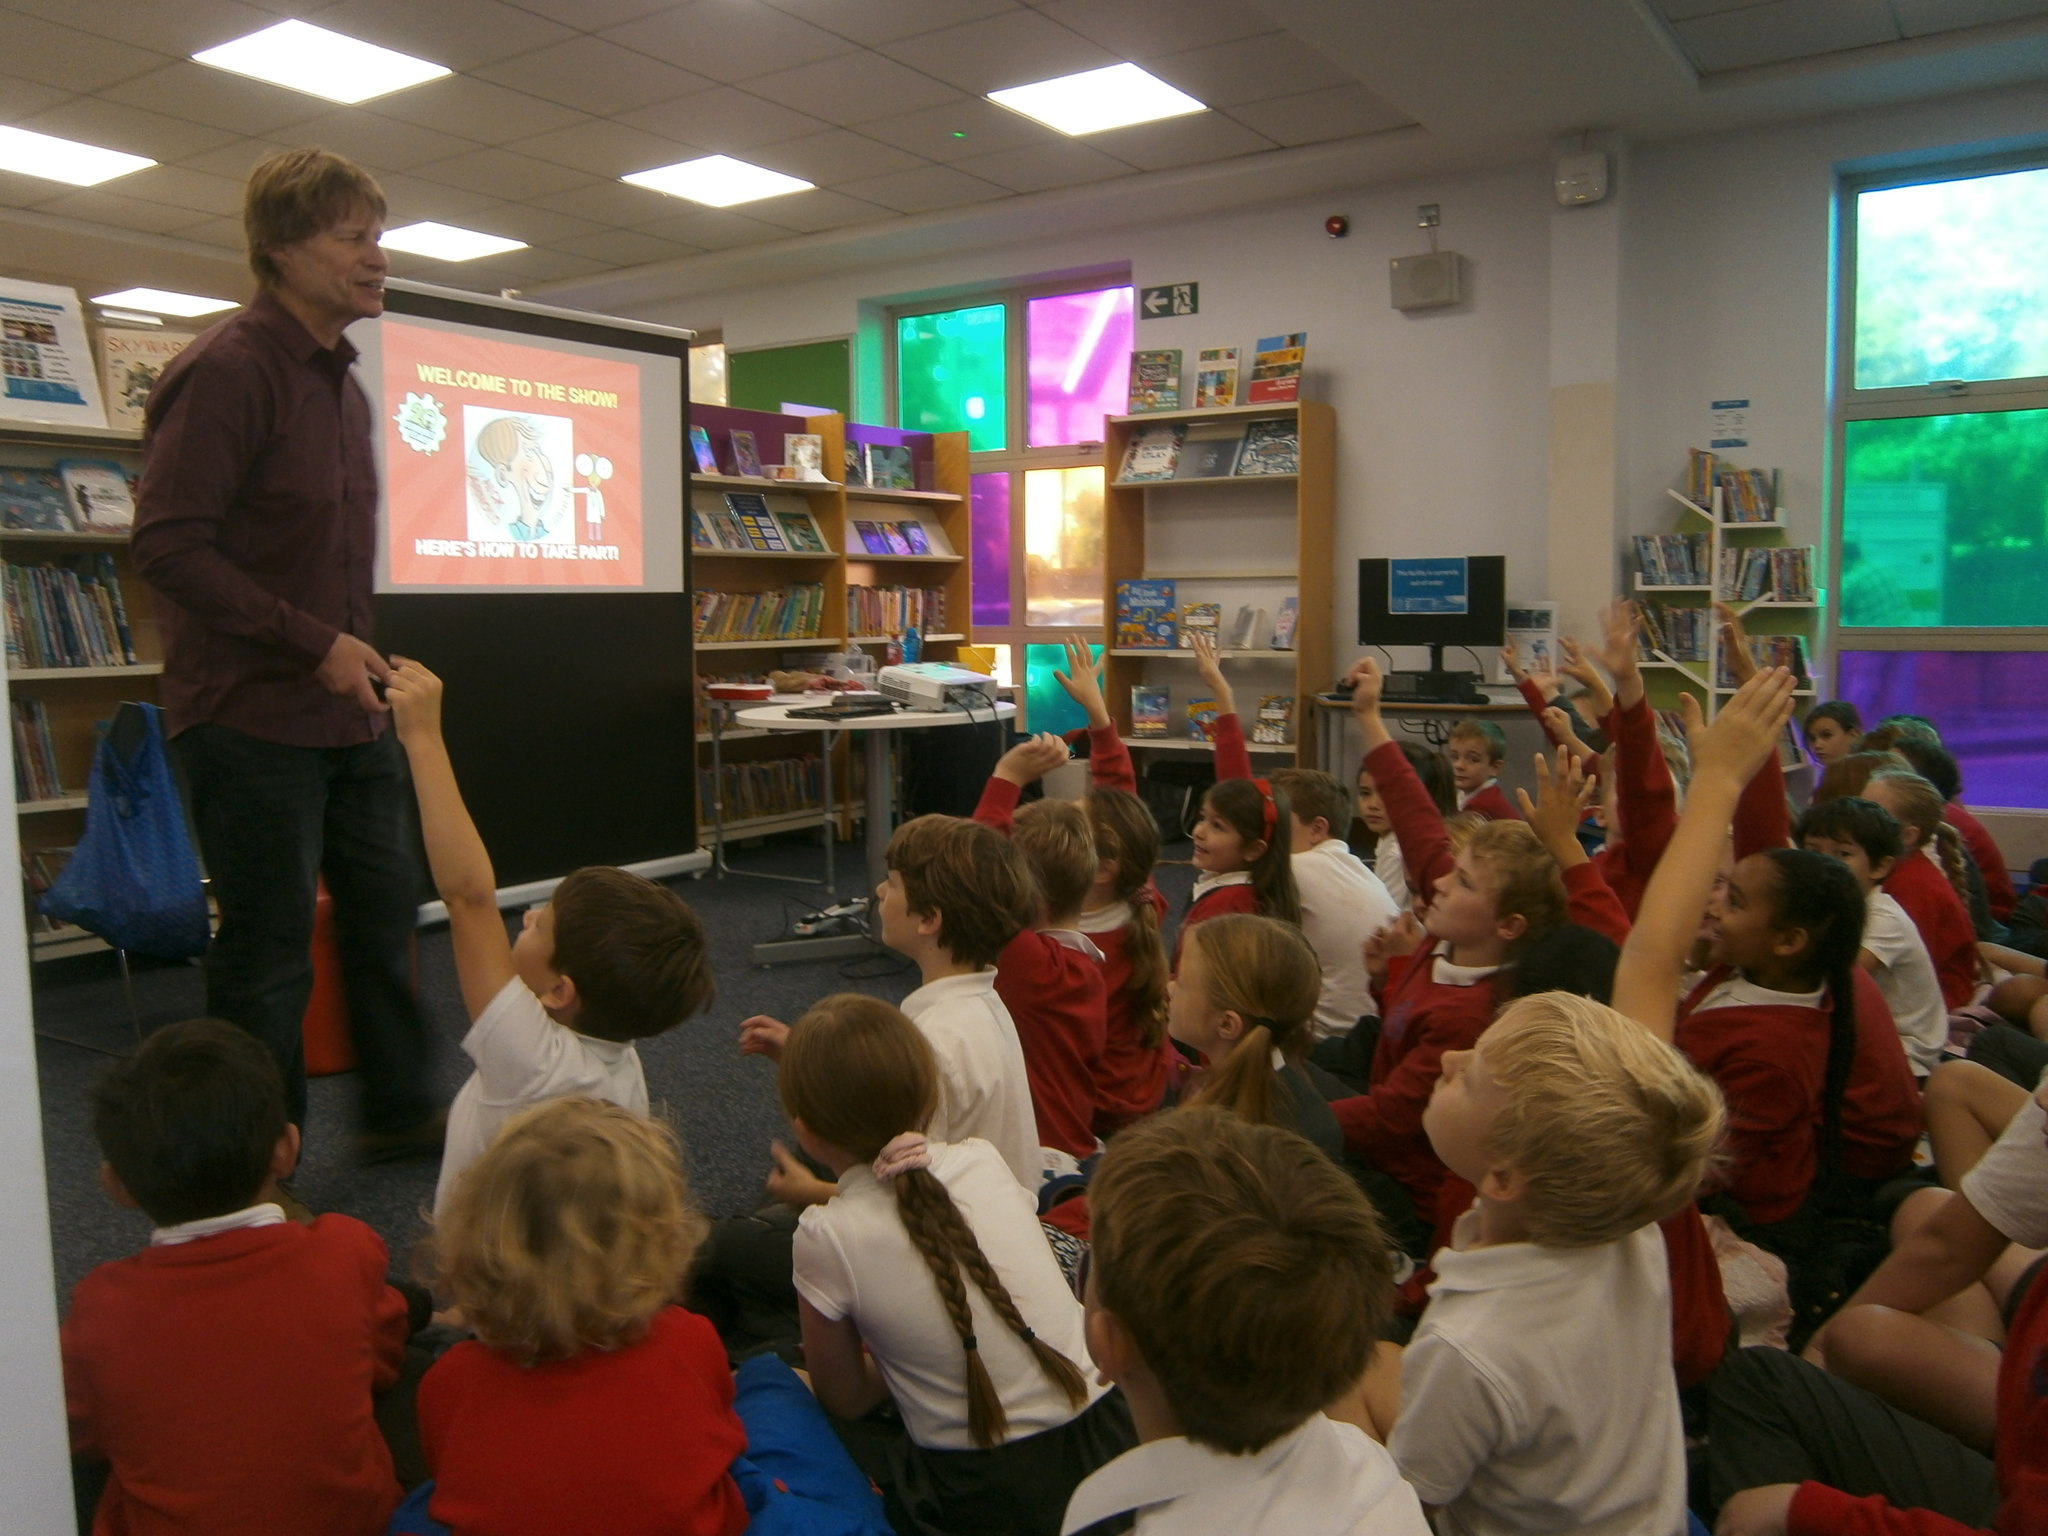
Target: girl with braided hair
{"points": [[927, 1279]]}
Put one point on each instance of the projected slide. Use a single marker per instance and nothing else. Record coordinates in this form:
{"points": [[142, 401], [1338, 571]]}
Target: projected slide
{"points": [[508, 463]]}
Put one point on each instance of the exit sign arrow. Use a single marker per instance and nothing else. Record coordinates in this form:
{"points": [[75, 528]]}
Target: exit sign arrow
{"points": [[1169, 299]]}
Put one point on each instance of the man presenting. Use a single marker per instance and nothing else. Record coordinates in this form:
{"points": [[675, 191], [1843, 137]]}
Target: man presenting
{"points": [[255, 523]]}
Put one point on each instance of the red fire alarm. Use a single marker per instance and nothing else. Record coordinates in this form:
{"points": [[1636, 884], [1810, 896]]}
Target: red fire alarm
{"points": [[1337, 226]]}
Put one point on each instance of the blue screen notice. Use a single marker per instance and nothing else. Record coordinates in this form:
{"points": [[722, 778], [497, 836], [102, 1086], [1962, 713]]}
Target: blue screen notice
{"points": [[1428, 586]]}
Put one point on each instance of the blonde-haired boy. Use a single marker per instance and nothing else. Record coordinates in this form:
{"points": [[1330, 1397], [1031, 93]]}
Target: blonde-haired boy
{"points": [[1537, 1394]]}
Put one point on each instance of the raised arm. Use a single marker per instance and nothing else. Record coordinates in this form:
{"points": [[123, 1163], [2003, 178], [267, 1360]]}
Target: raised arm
{"points": [[456, 856], [1109, 760], [1536, 691], [1642, 779], [1418, 824], [1725, 755], [1232, 760], [1025, 763], [1762, 819], [1554, 815], [1581, 671]]}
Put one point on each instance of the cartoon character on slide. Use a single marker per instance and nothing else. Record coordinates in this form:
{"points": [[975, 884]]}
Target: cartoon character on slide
{"points": [[596, 470], [512, 447]]}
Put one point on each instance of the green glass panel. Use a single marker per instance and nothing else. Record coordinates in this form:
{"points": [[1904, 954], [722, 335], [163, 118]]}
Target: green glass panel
{"points": [[1945, 520], [1951, 281], [1048, 706], [951, 370], [817, 373]]}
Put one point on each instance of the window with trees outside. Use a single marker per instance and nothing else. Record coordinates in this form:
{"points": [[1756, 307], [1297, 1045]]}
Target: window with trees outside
{"points": [[1941, 574], [1029, 374]]}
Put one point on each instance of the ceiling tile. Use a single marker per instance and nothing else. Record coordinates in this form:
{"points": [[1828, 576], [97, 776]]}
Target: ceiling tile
{"points": [[412, 198], [711, 229], [1251, 70], [834, 155], [854, 88], [476, 109], [121, 212], [625, 248], [1035, 167], [1016, 48], [818, 209], [1918, 18], [594, 76], [1311, 117], [726, 120], [175, 30], [378, 142], [729, 39], [224, 233], [611, 203], [1204, 136], [1685, 10], [25, 96], [986, 128], [523, 221], [458, 33], [235, 158], [544, 266], [195, 190], [1143, 29], [605, 148], [217, 98], [111, 125], [591, 15], [886, 21], [68, 59], [931, 186], [503, 175], [1785, 29], [18, 191]]}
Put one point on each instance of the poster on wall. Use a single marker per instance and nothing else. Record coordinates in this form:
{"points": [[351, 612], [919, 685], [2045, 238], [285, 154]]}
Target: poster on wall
{"points": [[1531, 633], [46, 371]]}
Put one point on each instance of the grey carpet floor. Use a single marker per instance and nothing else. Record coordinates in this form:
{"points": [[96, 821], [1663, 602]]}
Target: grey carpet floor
{"points": [[723, 1106]]}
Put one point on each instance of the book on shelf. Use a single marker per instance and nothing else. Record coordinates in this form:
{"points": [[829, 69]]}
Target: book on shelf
{"points": [[130, 364], [1284, 623], [1788, 651], [32, 500], [1246, 628], [1215, 377], [1155, 381], [1209, 451], [784, 613], [804, 452], [1203, 619], [1276, 369], [1153, 452], [1699, 478], [801, 533], [892, 535], [1747, 495], [1147, 615], [1273, 725], [893, 609], [35, 753], [1748, 574], [1678, 630], [769, 786], [1270, 448], [66, 614], [856, 466], [1202, 720], [700, 450], [101, 497], [871, 537], [913, 535], [890, 468], [1150, 707], [746, 453], [701, 536], [1672, 559], [751, 509]]}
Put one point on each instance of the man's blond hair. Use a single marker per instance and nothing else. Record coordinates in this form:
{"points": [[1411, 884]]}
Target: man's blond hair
{"points": [[294, 195], [1610, 1127]]}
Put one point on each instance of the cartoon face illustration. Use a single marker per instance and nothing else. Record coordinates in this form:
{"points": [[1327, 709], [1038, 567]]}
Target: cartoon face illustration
{"points": [[513, 449]]}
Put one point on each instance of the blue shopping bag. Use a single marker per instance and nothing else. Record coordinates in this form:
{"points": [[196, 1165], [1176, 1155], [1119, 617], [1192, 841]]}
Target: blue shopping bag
{"points": [[134, 877]]}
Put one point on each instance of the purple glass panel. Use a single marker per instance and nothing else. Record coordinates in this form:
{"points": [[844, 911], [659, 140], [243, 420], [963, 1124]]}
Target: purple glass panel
{"points": [[1078, 348], [988, 513], [1986, 704]]}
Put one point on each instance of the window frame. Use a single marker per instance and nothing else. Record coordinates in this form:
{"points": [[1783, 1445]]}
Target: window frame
{"points": [[1941, 397]]}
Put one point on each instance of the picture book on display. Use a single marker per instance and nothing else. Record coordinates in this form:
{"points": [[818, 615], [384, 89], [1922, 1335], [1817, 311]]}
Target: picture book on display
{"points": [[914, 536], [1147, 615], [1248, 628], [889, 468], [801, 533], [1149, 709], [700, 449], [1202, 720], [1215, 377], [1273, 725], [856, 466], [130, 364], [1155, 381], [804, 452], [871, 537], [1276, 369], [1201, 618], [751, 509], [32, 500], [1153, 453], [1209, 451], [1270, 448], [701, 536], [99, 492], [1284, 622], [746, 454]]}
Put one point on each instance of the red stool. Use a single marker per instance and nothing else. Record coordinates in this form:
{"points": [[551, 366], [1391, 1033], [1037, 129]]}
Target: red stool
{"points": [[328, 1048]]}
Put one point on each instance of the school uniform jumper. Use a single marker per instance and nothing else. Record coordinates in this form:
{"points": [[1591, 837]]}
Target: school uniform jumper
{"points": [[1216, 895], [1919, 885], [1488, 800], [1986, 855], [1647, 803], [1881, 1104]]}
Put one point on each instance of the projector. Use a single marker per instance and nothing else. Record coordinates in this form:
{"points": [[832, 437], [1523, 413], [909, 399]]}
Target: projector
{"points": [[933, 684]]}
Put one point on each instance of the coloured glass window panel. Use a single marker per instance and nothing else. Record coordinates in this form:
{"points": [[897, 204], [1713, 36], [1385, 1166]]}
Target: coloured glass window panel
{"points": [[1078, 348], [1048, 706], [1986, 704], [1063, 547], [988, 502], [951, 374]]}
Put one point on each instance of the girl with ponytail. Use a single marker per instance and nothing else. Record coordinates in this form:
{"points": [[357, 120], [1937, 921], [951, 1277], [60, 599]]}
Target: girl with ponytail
{"points": [[1929, 881], [927, 1279]]}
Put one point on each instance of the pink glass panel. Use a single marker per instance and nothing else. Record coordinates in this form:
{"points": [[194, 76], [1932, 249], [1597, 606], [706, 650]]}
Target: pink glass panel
{"points": [[988, 502], [1078, 349], [1986, 704]]}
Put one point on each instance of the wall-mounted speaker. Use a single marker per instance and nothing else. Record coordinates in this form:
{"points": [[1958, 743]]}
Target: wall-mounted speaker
{"points": [[1429, 281]]}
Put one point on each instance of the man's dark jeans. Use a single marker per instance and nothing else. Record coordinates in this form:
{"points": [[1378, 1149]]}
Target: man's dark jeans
{"points": [[272, 818]]}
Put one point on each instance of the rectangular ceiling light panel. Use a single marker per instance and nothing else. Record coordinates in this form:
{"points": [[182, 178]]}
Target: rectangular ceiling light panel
{"points": [[1113, 97], [54, 159], [719, 181], [163, 302], [446, 242], [303, 57]]}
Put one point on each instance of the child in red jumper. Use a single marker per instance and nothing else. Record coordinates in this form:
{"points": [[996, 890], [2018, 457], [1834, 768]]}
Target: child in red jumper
{"points": [[1929, 881], [1050, 975], [225, 1373], [1242, 853], [1477, 749]]}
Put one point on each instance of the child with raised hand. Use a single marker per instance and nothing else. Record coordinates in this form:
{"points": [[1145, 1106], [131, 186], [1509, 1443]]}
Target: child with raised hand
{"points": [[928, 1280], [1241, 853], [1928, 881], [1476, 749], [1237, 1286], [1434, 775], [1245, 996], [611, 959], [1122, 912], [1343, 903], [1050, 975], [1643, 808], [225, 1373], [1865, 837]]}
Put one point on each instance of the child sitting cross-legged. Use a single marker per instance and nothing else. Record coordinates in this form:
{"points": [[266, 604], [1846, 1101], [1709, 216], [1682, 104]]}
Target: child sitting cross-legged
{"points": [[224, 1374], [1237, 1284], [612, 958], [927, 1280]]}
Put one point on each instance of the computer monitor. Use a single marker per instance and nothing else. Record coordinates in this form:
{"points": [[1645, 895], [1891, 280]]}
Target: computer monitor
{"points": [[1441, 601]]}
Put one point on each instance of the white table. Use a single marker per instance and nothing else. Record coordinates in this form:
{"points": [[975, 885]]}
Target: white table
{"points": [[881, 797]]}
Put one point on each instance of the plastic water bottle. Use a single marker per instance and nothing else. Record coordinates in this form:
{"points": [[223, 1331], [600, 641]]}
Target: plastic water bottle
{"points": [[913, 645]]}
